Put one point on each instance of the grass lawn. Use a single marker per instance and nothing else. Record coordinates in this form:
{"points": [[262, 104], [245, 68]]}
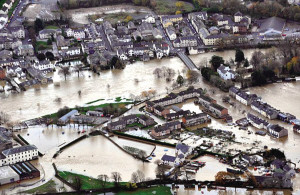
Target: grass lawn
{"points": [[149, 191], [168, 7], [11, 10], [135, 125], [51, 27], [40, 45], [2, 2], [118, 99], [48, 187], [87, 182]]}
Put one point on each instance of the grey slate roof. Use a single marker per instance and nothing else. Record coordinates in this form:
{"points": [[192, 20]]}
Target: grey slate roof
{"points": [[19, 149], [272, 23]]}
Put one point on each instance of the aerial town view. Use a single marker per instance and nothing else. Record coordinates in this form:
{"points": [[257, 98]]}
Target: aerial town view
{"points": [[150, 97]]}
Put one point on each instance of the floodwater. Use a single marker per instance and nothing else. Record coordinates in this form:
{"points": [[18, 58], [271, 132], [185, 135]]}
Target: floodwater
{"points": [[97, 155], [34, 103]]}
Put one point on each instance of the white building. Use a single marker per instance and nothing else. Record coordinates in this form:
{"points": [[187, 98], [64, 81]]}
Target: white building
{"points": [[150, 19], [19, 154], [225, 72], [44, 65], [79, 34], [8, 175], [18, 32], [171, 33], [238, 17]]}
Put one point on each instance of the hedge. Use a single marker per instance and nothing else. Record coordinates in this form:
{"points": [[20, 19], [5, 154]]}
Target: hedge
{"points": [[144, 139]]}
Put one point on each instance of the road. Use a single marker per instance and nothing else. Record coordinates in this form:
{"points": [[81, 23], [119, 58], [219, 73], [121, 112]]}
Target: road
{"points": [[187, 61], [17, 12], [104, 38]]}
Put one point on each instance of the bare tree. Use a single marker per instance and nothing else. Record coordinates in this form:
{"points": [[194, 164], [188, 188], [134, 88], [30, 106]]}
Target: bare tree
{"points": [[134, 177], [160, 169], [158, 72], [103, 179], [141, 175], [77, 183], [192, 76], [77, 69], [116, 177], [256, 59], [4, 118], [65, 71]]}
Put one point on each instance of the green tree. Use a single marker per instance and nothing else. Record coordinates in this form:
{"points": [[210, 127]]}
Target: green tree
{"points": [[246, 63], [216, 62], [180, 80], [239, 56], [258, 78], [38, 25], [49, 42], [137, 2]]}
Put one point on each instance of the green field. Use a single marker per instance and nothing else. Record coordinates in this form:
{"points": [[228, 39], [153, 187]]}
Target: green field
{"points": [[40, 45], [149, 191], [48, 187], [51, 27], [2, 2], [87, 183]]}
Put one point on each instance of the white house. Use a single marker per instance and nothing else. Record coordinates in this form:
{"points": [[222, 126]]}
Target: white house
{"points": [[72, 51], [18, 32], [238, 16], [121, 54], [19, 154], [79, 34], [44, 65], [150, 19], [171, 33], [69, 32], [225, 72]]}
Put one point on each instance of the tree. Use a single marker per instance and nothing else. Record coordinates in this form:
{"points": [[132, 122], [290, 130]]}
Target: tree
{"points": [[145, 2], [142, 154], [258, 78], [49, 56], [134, 177], [116, 63], [116, 177], [216, 62], [137, 2], [180, 80], [153, 3], [3, 84], [246, 63], [160, 169], [128, 18], [65, 71], [178, 12], [158, 72], [38, 25], [192, 76], [256, 59], [206, 73], [179, 5], [77, 69], [77, 183], [239, 56], [49, 42], [103, 179], [41, 57], [141, 176]]}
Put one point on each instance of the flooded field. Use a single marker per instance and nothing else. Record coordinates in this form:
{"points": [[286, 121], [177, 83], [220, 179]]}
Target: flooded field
{"points": [[48, 138], [97, 155]]}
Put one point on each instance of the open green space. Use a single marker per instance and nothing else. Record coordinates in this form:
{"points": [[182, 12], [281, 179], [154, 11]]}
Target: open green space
{"points": [[87, 183], [169, 7], [51, 27], [49, 187], [149, 191], [40, 45], [98, 100]]}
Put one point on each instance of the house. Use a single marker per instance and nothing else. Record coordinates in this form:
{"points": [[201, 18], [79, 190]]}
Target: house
{"points": [[79, 34], [66, 118], [145, 29], [171, 18], [161, 111], [146, 121], [214, 30], [48, 33], [18, 31], [226, 73], [19, 154], [121, 54], [182, 149], [168, 160], [272, 28], [296, 128], [171, 33], [197, 16], [165, 129], [72, 51], [130, 119], [190, 41], [195, 119], [264, 109], [131, 26], [26, 50], [233, 91], [238, 16], [150, 19], [257, 122], [277, 131], [44, 65], [150, 105], [117, 125], [218, 110], [157, 34], [243, 97], [205, 100], [177, 114], [4, 10], [5, 139], [94, 113]]}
